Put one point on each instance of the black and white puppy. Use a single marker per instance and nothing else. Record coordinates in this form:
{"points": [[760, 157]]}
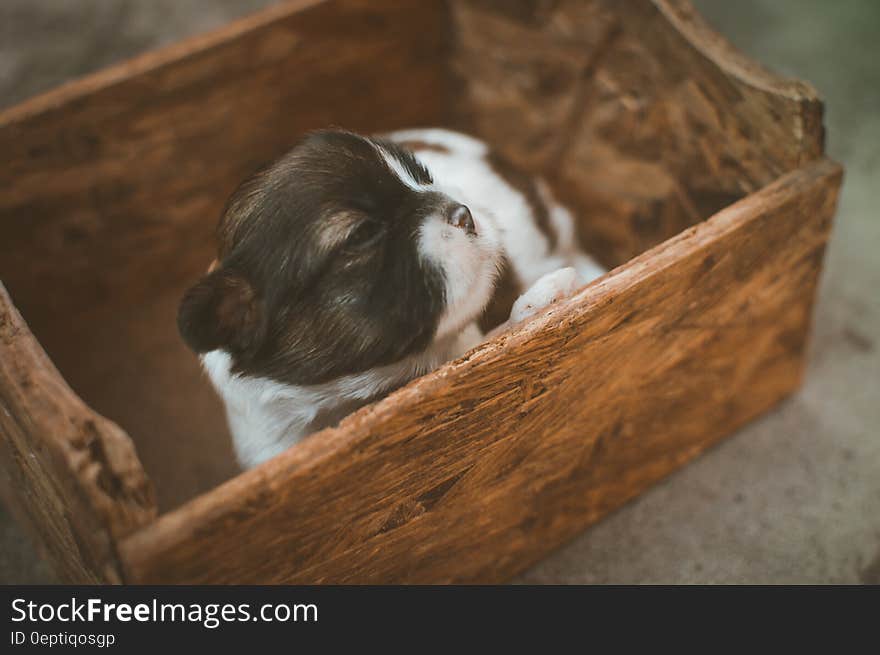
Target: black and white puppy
{"points": [[353, 265]]}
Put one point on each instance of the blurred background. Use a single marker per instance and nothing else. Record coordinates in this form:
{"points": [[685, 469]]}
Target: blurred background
{"points": [[793, 498]]}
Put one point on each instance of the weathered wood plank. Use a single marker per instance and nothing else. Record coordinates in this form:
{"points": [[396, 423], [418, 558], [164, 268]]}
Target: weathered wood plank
{"points": [[472, 473], [645, 120], [71, 477]]}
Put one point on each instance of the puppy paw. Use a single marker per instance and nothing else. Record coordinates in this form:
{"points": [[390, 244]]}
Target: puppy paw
{"points": [[550, 288]]}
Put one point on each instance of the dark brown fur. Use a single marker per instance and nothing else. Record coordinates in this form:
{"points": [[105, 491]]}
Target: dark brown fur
{"points": [[507, 289], [318, 273], [416, 145]]}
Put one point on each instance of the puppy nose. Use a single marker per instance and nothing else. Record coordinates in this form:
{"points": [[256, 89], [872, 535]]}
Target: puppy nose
{"points": [[460, 216]]}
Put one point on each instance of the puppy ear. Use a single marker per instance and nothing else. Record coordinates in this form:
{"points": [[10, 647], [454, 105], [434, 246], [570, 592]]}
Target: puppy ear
{"points": [[221, 311]]}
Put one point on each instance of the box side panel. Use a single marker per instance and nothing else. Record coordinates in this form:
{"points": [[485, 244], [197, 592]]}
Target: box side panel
{"points": [[113, 185], [475, 471], [71, 477], [644, 119]]}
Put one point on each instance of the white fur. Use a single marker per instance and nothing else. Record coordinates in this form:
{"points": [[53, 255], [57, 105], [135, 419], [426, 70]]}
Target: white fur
{"points": [[399, 170], [550, 288], [470, 265], [267, 417], [464, 174]]}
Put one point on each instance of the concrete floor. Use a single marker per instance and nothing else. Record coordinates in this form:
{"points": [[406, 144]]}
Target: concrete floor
{"points": [[795, 497]]}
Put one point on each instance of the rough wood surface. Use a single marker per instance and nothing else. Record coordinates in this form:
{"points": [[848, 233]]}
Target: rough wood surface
{"points": [[646, 120], [470, 474], [71, 477], [112, 186]]}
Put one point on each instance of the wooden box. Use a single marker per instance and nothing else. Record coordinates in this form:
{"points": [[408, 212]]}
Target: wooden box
{"points": [[695, 173]]}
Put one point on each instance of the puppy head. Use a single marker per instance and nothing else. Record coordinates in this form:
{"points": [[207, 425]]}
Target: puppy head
{"points": [[341, 256]]}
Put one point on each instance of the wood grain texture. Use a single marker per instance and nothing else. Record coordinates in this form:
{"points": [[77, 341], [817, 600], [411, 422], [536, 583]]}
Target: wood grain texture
{"points": [[71, 477], [112, 187], [645, 120], [471, 473]]}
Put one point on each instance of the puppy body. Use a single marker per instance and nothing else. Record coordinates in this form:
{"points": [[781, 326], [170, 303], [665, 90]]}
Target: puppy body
{"points": [[537, 233], [266, 417], [515, 244]]}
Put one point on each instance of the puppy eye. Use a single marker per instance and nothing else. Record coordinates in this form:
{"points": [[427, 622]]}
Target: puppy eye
{"points": [[365, 234]]}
